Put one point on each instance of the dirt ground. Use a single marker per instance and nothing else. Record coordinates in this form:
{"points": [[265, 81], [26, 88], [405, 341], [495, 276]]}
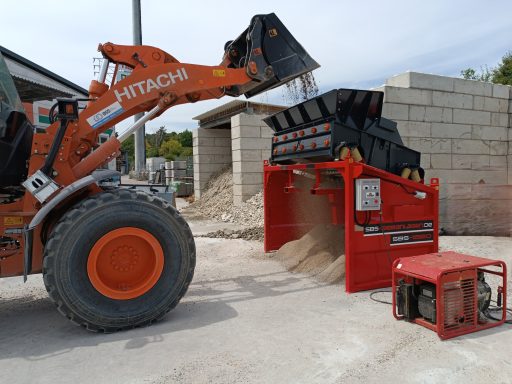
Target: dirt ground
{"points": [[245, 319]]}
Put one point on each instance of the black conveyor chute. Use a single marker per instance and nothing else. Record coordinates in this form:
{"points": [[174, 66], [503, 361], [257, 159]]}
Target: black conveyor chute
{"points": [[316, 129]]}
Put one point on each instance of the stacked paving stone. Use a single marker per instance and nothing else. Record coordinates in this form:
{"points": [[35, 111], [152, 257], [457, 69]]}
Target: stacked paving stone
{"points": [[463, 129]]}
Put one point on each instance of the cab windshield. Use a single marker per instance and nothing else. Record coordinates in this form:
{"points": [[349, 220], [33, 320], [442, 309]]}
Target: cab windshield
{"points": [[8, 93]]}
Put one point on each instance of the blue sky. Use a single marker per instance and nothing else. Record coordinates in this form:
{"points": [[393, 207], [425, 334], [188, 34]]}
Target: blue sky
{"points": [[359, 44]]}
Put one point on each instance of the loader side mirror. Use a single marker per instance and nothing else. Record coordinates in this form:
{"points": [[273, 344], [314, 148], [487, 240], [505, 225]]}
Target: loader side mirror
{"points": [[67, 109]]}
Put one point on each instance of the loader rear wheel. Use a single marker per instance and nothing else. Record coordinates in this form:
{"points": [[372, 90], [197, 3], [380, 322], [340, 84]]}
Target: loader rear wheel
{"points": [[118, 260]]}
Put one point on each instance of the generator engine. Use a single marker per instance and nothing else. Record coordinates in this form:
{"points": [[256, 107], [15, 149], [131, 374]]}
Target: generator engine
{"points": [[447, 292]]}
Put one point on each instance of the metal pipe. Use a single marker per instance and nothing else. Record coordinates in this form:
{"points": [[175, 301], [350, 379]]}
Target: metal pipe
{"points": [[103, 71], [139, 135], [137, 124]]}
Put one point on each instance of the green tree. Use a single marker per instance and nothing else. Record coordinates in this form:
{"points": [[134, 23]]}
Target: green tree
{"points": [[129, 146], [485, 74], [502, 74], [185, 138], [170, 149]]}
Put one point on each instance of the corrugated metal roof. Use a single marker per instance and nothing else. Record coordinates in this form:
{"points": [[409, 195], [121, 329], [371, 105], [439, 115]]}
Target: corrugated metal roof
{"points": [[42, 83], [234, 107]]}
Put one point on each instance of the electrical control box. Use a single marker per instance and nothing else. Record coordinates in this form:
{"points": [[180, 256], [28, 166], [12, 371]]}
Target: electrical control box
{"points": [[367, 194]]}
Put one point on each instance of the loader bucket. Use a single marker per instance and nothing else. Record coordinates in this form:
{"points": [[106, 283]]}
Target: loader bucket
{"points": [[270, 54]]}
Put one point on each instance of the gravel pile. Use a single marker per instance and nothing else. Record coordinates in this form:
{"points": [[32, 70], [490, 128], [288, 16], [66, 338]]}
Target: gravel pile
{"points": [[217, 202], [246, 234]]}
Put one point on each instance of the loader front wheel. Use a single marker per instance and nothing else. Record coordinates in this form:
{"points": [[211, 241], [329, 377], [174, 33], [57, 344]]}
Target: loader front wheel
{"points": [[118, 260]]}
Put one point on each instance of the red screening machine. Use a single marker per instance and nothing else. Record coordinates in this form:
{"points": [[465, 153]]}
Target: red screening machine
{"points": [[336, 160]]}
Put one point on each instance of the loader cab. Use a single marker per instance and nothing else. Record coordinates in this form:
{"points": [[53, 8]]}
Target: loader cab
{"points": [[16, 132]]}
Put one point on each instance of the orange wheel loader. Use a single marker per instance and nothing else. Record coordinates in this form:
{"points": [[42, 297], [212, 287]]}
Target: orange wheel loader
{"points": [[114, 258]]}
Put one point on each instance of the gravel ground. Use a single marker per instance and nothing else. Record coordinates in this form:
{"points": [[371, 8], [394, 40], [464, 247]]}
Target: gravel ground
{"points": [[246, 319]]}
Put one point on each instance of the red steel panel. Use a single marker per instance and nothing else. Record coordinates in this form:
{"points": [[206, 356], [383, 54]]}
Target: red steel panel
{"points": [[405, 225]]}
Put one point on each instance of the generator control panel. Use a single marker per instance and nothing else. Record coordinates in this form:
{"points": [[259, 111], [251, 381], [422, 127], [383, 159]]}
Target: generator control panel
{"points": [[367, 194]]}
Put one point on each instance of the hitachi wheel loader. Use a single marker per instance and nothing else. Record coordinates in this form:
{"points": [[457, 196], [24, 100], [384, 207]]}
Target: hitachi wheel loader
{"points": [[113, 258]]}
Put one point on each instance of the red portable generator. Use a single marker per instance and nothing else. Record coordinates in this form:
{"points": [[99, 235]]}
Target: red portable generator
{"points": [[450, 293]]}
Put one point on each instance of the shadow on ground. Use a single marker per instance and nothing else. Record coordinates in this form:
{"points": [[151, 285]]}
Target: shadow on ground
{"points": [[32, 328]]}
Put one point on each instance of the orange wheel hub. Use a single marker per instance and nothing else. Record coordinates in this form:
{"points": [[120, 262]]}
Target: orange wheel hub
{"points": [[125, 263]]}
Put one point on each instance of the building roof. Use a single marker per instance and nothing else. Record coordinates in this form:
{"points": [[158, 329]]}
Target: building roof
{"points": [[34, 82], [220, 116]]}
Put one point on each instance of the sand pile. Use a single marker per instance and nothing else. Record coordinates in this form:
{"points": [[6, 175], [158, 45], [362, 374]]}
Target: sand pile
{"points": [[318, 253]]}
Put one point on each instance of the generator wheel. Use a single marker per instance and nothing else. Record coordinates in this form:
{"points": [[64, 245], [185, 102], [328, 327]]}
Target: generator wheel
{"points": [[118, 260]]}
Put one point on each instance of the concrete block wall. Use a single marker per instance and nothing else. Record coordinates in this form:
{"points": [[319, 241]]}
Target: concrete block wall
{"points": [[250, 143], [463, 129], [212, 152]]}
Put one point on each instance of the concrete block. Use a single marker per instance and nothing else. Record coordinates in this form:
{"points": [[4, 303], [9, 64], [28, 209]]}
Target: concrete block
{"points": [[407, 96], [499, 119], [470, 147], [441, 161], [416, 112], [473, 87], [222, 142], [498, 162], [223, 158], [476, 217], [266, 132], [402, 80], [489, 133], [509, 167], [245, 155], [456, 131], [478, 103], [465, 116], [431, 145], [452, 100], [492, 104], [421, 80], [413, 129], [251, 143], [209, 167], [245, 119], [425, 160], [498, 148], [238, 131], [248, 178], [501, 91], [395, 111], [477, 162], [439, 115], [205, 132], [469, 176], [207, 150], [265, 154], [247, 166]]}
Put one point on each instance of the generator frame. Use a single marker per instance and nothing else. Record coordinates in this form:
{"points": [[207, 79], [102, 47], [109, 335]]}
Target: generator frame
{"points": [[296, 199], [449, 267]]}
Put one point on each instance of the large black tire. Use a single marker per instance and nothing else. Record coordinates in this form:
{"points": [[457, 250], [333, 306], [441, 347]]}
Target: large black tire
{"points": [[68, 248]]}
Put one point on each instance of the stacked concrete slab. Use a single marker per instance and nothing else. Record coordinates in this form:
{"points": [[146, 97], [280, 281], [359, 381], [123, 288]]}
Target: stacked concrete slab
{"points": [[463, 129], [250, 144]]}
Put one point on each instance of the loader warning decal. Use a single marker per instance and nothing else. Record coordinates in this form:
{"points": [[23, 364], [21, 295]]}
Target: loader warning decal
{"points": [[412, 238], [106, 114], [398, 228], [13, 220]]}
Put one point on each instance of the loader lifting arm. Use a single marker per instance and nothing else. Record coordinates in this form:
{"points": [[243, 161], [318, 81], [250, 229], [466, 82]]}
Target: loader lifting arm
{"points": [[264, 56]]}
